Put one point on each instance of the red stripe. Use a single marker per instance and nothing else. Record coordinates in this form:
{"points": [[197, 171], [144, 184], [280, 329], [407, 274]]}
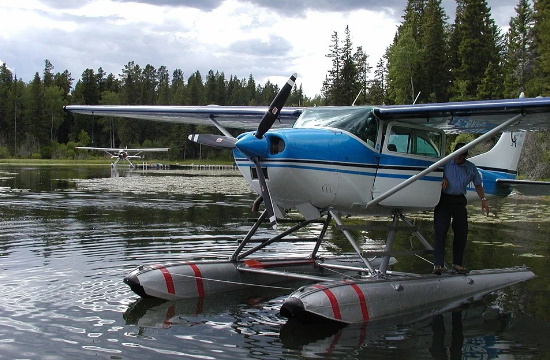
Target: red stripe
{"points": [[362, 302], [198, 277], [168, 279], [170, 313], [254, 264], [333, 301]]}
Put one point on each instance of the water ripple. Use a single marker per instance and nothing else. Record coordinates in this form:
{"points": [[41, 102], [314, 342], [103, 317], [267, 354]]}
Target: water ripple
{"points": [[65, 249]]}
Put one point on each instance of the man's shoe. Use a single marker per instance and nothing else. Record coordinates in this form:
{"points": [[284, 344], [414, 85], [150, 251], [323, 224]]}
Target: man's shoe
{"points": [[438, 269], [460, 269]]}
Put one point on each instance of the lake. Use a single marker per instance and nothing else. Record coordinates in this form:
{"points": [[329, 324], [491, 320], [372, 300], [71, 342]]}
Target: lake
{"points": [[68, 236]]}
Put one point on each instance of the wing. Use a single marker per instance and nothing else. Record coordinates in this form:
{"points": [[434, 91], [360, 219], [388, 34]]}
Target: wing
{"points": [[118, 149], [239, 117], [527, 187], [96, 148], [148, 149], [452, 117], [473, 116]]}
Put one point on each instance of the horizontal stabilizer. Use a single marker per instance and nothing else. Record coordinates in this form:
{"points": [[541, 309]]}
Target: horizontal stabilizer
{"points": [[527, 187], [213, 140]]}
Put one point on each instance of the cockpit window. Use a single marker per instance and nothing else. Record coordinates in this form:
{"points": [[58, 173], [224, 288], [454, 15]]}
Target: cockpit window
{"points": [[356, 120], [414, 141]]}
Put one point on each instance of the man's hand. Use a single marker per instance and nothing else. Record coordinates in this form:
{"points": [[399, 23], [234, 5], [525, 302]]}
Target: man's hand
{"points": [[444, 183], [485, 206]]}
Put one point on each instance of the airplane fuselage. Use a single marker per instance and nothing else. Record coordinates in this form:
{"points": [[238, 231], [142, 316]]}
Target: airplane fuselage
{"points": [[316, 165]]}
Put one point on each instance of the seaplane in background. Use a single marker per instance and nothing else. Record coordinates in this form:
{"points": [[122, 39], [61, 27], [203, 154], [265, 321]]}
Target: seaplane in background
{"points": [[329, 163], [123, 154]]}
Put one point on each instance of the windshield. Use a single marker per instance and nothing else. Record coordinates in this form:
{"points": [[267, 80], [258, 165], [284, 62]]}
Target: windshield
{"points": [[357, 120]]}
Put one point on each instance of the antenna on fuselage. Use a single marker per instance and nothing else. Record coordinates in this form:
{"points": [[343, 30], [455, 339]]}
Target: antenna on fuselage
{"points": [[357, 97], [416, 98]]}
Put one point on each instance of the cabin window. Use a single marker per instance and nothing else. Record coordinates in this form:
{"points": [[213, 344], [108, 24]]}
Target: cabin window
{"points": [[414, 141]]}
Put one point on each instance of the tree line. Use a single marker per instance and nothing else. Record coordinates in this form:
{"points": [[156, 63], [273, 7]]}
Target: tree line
{"points": [[33, 123], [430, 60]]}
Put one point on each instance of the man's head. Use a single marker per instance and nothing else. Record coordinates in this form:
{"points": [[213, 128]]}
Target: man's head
{"points": [[462, 157]]}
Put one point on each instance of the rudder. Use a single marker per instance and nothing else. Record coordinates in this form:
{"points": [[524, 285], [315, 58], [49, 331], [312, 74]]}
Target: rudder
{"points": [[504, 156]]}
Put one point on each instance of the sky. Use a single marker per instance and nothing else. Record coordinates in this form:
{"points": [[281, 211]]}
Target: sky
{"points": [[269, 40]]}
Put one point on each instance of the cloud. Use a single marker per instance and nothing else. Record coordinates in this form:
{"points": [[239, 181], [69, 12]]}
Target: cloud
{"points": [[268, 39]]}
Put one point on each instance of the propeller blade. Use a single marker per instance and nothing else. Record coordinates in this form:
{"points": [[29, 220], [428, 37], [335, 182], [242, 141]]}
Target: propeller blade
{"points": [[274, 109], [213, 140], [265, 192]]}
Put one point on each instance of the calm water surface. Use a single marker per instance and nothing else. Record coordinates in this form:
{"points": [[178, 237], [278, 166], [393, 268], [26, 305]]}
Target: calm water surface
{"points": [[69, 235]]}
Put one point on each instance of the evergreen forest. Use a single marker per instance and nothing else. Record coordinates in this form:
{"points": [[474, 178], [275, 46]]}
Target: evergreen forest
{"points": [[432, 59]]}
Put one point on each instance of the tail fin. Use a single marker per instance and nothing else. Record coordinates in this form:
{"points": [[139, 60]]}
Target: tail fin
{"points": [[504, 156]]}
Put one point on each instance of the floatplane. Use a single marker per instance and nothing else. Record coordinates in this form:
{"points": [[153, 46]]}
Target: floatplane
{"points": [[328, 163], [124, 154]]}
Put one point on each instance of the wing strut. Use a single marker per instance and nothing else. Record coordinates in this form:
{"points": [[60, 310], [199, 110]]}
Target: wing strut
{"points": [[220, 127], [444, 160]]}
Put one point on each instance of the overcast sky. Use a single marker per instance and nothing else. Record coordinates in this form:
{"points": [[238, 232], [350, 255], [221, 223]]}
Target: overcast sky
{"points": [[265, 38]]}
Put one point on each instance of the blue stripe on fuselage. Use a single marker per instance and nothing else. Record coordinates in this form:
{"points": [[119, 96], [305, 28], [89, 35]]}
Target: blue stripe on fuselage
{"points": [[333, 150]]}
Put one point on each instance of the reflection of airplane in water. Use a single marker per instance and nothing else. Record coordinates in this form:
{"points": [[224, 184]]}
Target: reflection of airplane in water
{"points": [[123, 154], [460, 334], [328, 163]]}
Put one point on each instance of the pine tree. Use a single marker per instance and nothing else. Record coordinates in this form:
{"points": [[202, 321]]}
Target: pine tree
{"points": [[349, 84], [196, 89], [251, 90], [177, 88], [7, 110], [490, 87], [541, 30], [87, 90], [131, 85], [48, 74], [361, 82], [519, 56], [403, 60], [149, 84], [163, 80], [434, 54], [331, 85], [347, 76], [35, 124], [377, 90], [418, 58], [479, 45]]}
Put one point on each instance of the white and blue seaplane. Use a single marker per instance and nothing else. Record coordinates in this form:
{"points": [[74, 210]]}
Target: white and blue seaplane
{"points": [[123, 154], [327, 163]]}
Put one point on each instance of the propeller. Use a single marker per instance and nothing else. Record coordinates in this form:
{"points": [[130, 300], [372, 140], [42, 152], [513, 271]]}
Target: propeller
{"points": [[213, 140], [249, 144], [274, 109]]}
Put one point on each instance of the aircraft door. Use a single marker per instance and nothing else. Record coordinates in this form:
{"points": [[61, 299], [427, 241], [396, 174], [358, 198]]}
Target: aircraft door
{"points": [[406, 151]]}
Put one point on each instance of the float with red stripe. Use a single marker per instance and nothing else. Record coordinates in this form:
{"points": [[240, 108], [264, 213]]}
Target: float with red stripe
{"points": [[184, 279], [405, 295]]}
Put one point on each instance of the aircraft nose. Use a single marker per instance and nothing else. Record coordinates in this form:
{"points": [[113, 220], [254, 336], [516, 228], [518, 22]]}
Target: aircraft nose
{"points": [[252, 146]]}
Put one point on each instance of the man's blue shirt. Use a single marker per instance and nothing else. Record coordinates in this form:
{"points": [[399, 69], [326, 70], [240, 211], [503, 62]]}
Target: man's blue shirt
{"points": [[459, 176]]}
